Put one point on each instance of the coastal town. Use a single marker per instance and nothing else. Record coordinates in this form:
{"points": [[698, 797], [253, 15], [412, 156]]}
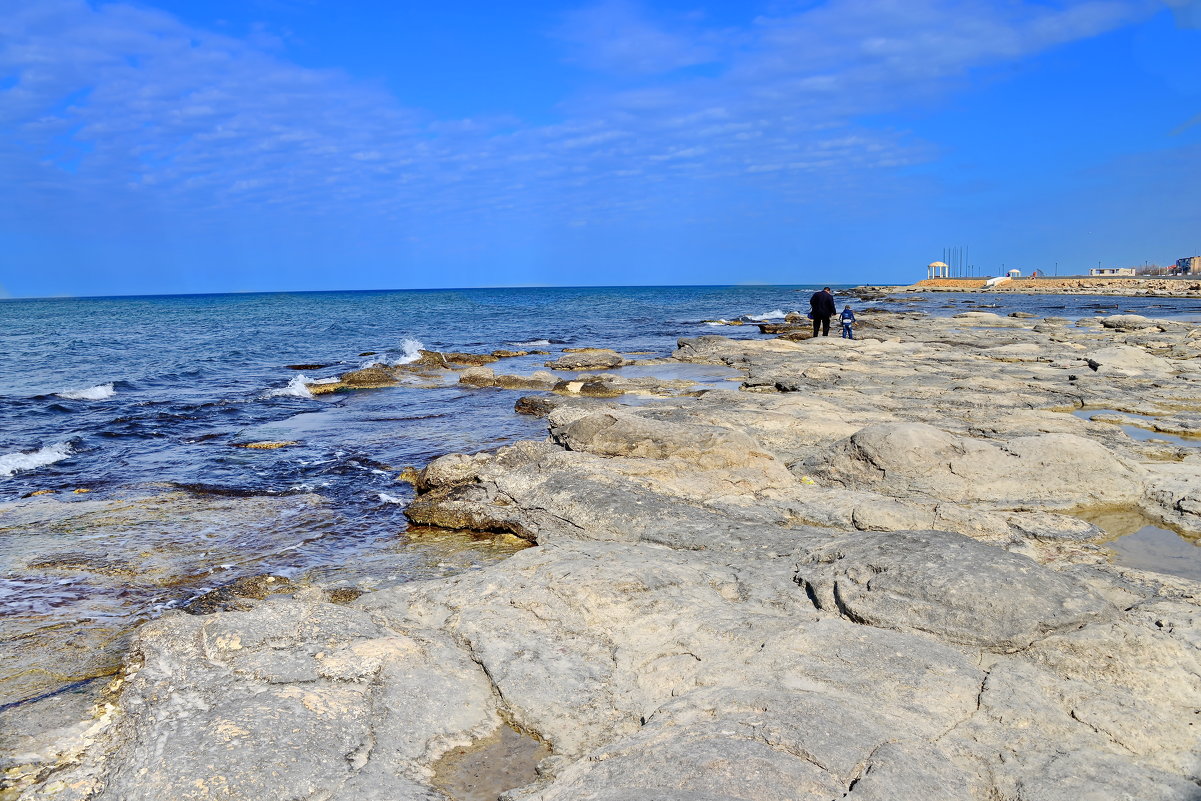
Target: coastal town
{"points": [[1181, 279]]}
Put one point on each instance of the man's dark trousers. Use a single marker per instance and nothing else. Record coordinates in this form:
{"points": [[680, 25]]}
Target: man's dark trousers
{"points": [[823, 323]]}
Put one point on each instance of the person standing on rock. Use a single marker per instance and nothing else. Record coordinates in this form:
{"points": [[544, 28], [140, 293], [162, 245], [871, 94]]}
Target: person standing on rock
{"points": [[847, 318], [822, 308]]}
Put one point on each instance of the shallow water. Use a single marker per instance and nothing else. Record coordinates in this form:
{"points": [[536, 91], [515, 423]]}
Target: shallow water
{"points": [[1160, 550], [128, 413], [1142, 543], [1145, 433]]}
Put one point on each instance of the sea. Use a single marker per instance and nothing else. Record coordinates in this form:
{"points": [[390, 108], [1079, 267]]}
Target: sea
{"points": [[123, 420]]}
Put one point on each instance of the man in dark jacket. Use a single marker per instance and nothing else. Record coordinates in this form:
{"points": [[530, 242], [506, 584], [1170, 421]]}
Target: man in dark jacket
{"points": [[822, 309]]}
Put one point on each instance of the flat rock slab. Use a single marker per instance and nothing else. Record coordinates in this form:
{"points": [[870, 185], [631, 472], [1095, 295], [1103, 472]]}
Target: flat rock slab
{"points": [[917, 459], [949, 585]]}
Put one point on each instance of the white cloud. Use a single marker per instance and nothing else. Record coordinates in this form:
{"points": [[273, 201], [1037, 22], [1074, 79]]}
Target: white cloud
{"points": [[617, 36], [118, 109]]}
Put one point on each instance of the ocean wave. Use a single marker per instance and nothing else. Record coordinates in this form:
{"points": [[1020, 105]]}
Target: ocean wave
{"points": [[774, 314], [11, 463], [298, 387], [386, 498], [410, 351], [98, 392]]}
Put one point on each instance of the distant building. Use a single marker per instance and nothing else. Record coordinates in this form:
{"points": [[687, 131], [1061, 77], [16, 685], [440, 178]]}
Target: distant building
{"points": [[1014, 273], [1111, 271], [1188, 266], [938, 269]]}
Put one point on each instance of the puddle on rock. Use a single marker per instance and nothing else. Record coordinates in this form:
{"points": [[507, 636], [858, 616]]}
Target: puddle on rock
{"points": [[504, 760], [1137, 432], [1141, 543]]}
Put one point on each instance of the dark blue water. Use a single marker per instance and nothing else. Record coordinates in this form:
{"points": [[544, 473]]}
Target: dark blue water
{"points": [[192, 375]]}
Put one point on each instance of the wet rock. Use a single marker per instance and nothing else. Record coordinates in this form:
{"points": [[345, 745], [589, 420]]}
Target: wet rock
{"points": [[265, 445], [478, 377], [510, 354], [451, 359], [126, 577], [588, 389], [783, 328], [367, 378], [540, 379], [482, 771], [344, 595], [587, 359], [535, 405], [237, 595], [313, 366]]}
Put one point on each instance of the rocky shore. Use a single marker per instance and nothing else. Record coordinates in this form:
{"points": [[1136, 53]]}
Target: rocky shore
{"points": [[872, 570], [1183, 287]]}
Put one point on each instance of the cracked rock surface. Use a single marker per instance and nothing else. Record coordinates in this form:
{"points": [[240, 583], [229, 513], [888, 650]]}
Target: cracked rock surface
{"points": [[868, 575]]}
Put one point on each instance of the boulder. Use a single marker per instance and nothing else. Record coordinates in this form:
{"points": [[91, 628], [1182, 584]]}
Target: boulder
{"points": [[1128, 322]]}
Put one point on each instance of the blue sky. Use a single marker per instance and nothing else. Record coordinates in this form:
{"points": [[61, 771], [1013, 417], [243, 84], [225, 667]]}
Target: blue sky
{"points": [[240, 145]]}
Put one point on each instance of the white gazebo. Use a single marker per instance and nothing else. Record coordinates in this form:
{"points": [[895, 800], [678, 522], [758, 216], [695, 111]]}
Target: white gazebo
{"points": [[938, 269]]}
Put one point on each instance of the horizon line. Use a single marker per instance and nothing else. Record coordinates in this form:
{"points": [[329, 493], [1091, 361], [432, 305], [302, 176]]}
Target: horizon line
{"points": [[411, 289]]}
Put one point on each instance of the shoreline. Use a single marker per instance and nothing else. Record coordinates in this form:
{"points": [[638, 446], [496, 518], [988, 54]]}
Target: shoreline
{"points": [[871, 572], [1097, 286]]}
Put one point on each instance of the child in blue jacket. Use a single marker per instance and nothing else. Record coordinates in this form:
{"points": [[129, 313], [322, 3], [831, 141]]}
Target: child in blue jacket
{"points": [[848, 320]]}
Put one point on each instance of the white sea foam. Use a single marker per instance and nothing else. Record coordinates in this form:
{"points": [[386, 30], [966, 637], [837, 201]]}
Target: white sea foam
{"points": [[99, 392], [409, 352], [386, 498], [11, 463], [298, 387], [333, 379], [774, 314], [532, 343]]}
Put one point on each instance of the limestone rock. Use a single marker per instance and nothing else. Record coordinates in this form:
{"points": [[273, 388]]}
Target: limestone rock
{"points": [[614, 433], [478, 376], [1128, 322], [948, 585], [369, 378], [588, 359], [1124, 360], [916, 459]]}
